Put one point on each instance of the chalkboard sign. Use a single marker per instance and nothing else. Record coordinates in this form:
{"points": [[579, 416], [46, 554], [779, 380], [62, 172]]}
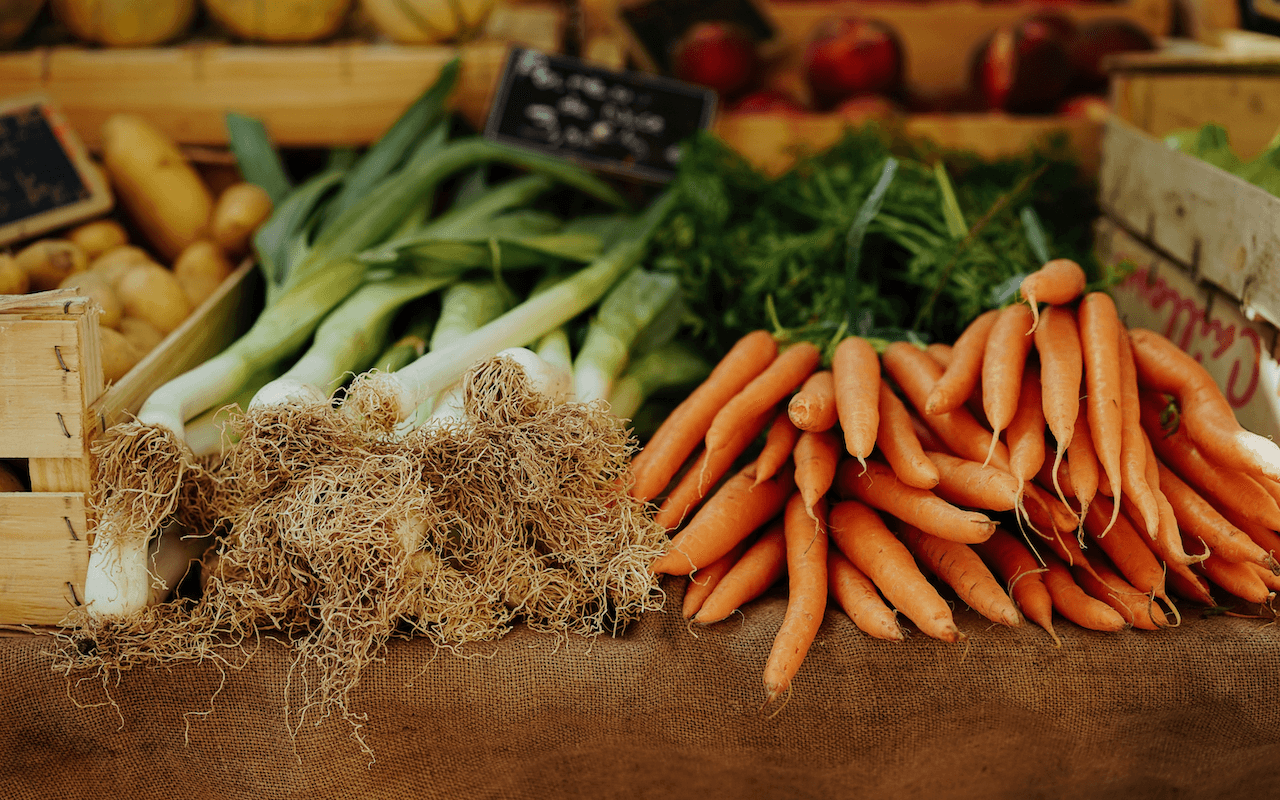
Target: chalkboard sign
{"points": [[46, 179], [657, 25], [628, 123]]}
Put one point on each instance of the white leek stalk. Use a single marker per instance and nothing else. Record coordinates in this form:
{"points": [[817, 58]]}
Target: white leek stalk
{"points": [[465, 307], [666, 367], [544, 378], [625, 312]]}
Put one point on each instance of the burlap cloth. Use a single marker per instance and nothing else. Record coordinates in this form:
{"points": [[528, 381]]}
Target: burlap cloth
{"points": [[658, 713]]}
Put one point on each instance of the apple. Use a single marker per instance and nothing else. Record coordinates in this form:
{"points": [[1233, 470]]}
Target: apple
{"points": [[1097, 40], [767, 101], [848, 56], [1024, 67], [716, 54], [1086, 106]]}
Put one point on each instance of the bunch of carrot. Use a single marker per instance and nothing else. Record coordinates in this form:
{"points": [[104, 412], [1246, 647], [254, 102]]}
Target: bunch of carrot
{"points": [[1034, 466]]}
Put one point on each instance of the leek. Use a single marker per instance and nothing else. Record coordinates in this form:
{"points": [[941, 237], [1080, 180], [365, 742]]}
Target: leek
{"points": [[670, 366], [411, 344], [625, 312]]}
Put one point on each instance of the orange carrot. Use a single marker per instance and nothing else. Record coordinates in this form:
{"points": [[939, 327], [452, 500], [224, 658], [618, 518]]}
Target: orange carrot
{"points": [[961, 375], [702, 582], [729, 516], [782, 377], [1056, 481], [751, 576], [816, 456], [806, 594], [973, 484], [1168, 541], [1057, 341], [1104, 583], [683, 429], [706, 472], [940, 352], [1026, 430], [916, 373], [1261, 535], [878, 486], [1238, 579], [860, 599], [1075, 603], [1189, 585], [899, 443], [1206, 414], [1269, 579], [1082, 462], [1017, 567], [1064, 546], [1224, 488], [1100, 344], [1133, 451], [925, 435], [856, 371], [1044, 509], [813, 408], [1125, 546], [958, 566], [778, 446], [1059, 281], [863, 537], [1003, 363], [1198, 519]]}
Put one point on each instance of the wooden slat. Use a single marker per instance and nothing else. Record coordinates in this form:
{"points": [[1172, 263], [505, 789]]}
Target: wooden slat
{"points": [[1246, 104], [45, 381], [44, 553]]}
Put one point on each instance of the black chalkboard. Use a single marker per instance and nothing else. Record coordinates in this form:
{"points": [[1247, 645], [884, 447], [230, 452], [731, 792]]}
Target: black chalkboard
{"points": [[657, 25], [628, 123], [46, 180]]}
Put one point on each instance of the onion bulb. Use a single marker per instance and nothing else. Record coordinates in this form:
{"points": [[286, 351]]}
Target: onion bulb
{"points": [[428, 21], [126, 23], [280, 20], [16, 17]]}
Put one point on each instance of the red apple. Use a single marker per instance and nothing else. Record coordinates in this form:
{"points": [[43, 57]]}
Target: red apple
{"points": [[1024, 67], [767, 101], [1097, 40], [847, 56], [1086, 106], [718, 55]]}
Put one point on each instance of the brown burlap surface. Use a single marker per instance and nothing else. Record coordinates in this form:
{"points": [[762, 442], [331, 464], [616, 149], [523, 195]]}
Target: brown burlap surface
{"points": [[658, 713]]}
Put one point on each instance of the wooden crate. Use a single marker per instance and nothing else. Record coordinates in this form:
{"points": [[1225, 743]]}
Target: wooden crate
{"points": [[346, 93], [52, 405]]}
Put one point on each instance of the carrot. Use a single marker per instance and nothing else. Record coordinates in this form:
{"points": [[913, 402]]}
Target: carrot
{"points": [[1126, 548], [1100, 344], [958, 566], [1075, 603], [806, 594], [971, 483], [1057, 340], [704, 581], [878, 486], [863, 537], [940, 352], [1168, 541], [1189, 586], [1082, 462], [1104, 583], [751, 576], [961, 375], [1017, 567], [1270, 487], [782, 377], [1003, 362], [779, 443], [1197, 518], [1065, 547], [856, 371], [1059, 281], [816, 456], [729, 516], [706, 472], [1261, 535], [813, 408], [1043, 509], [860, 599], [899, 443], [684, 428], [1206, 414], [1269, 579], [1223, 488], [927, 438], [1056, 477], [1026, 430], [916, 373], [1133, 451], [1239, 579]]}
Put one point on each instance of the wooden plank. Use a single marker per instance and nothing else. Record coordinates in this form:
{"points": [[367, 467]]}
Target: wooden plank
{"points": [[1247, 105], [44, 552], [43, 394], [1219, 226]]}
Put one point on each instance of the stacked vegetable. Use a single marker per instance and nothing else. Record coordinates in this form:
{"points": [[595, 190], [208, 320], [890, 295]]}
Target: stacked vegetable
{"points": [[1153, 491]]}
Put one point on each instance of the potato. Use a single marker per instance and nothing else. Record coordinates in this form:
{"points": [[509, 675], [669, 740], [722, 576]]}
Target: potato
{"points": [[118, 354], [12, 279], [144, 336], [99, 236], [200, 270], [93, 285], [48, 261], [9, 480], [153, 293], [161, 191], [114, 263], [237, 214]]}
